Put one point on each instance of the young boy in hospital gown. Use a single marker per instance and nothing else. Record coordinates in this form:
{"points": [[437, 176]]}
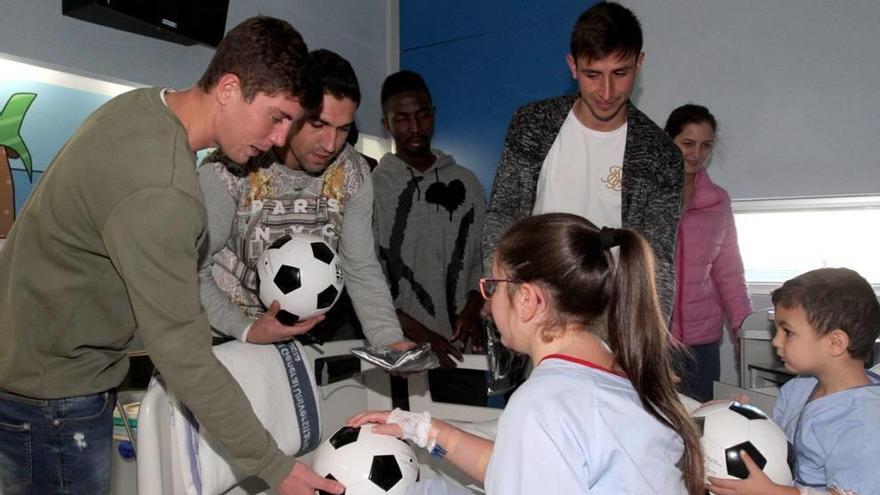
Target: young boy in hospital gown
{"points": [[827, 321]]}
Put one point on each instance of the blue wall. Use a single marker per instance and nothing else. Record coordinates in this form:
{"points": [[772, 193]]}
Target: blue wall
{"points": [[482, 60]]}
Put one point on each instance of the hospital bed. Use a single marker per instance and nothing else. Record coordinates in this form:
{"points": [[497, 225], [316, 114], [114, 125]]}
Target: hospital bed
{"points": [[346, 385]]}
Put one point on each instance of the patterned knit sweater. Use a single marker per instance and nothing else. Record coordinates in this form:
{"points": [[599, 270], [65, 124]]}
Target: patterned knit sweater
{"points": [[246, 214]]}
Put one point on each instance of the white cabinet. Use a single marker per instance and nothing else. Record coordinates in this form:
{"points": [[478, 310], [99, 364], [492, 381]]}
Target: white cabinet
{"points": [[761, 373]]}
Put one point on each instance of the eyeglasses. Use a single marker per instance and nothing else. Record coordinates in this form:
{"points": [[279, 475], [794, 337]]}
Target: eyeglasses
{"points": [[488, 285]]}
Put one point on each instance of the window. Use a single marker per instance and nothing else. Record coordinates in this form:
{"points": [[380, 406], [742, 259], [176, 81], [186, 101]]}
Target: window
{"points": [[782, 238], [373, 146]]}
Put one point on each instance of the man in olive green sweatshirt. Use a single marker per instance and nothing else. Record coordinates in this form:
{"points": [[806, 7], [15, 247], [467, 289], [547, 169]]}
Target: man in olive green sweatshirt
{"points": [[108, 245]]}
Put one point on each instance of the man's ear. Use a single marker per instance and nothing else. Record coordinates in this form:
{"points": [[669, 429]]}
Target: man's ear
{"points": [[385, 124], [572, 65], [639, 60], [227, 88], [837, 341]]}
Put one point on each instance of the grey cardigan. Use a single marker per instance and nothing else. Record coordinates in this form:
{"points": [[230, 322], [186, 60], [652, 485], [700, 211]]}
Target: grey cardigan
{"points": [[653, 177]]}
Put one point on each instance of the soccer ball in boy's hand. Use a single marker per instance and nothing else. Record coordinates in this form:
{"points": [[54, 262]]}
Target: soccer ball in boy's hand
{"points": [[303, 274], [367, 463], [726, 428]]}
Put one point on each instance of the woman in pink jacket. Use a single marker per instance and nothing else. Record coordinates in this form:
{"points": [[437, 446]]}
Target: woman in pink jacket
{"points": [[710, 286]]}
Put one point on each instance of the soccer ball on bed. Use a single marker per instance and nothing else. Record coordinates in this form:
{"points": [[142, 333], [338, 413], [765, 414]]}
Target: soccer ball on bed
{"points": [[729, 427], [303, 274], [367, 463]]}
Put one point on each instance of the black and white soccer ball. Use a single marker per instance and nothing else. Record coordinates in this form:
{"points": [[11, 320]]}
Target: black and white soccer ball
{"points": [[303, 273], [730, 427], [367, 463]]}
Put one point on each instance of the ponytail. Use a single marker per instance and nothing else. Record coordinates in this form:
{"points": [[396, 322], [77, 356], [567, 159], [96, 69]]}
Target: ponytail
{"points": [[638, 336], [572, 259]]}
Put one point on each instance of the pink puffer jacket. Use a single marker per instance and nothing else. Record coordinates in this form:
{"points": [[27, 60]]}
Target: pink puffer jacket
{"points": [[710, 285]]}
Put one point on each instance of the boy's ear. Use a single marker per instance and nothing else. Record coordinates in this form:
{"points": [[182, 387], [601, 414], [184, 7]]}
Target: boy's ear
{"points": [[838, 342]]}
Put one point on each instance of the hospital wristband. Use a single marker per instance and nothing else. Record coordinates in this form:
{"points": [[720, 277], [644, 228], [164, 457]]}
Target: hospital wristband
{"points": [[436, 450]]}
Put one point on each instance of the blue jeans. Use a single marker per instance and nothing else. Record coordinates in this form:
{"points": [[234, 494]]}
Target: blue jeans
{"points": [[56, 446]]}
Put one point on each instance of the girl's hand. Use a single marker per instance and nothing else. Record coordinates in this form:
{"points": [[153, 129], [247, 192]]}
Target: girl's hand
{"points": [[379, 420]]}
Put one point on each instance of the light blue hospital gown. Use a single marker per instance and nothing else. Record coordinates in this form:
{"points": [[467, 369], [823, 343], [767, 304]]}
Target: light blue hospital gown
{"points": [[574, 429], [836, 437]]}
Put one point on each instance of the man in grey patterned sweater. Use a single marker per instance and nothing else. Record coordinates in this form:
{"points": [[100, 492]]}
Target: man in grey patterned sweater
{"points": [[315, 184], [594, 153]]}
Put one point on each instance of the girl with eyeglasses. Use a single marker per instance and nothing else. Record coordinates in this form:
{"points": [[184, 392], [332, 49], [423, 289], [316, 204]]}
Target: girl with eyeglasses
{"points": [[598, 414]]}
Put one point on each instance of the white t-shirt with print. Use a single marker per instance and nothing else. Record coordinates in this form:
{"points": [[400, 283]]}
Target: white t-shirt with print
{"points": [[582, 174]]}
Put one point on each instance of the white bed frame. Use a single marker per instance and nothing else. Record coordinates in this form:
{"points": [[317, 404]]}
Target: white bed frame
{"points": [[157, 459]]}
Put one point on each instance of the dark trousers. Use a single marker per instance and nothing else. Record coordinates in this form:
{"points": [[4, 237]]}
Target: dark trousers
{"points": [[698, 367], [56, 446]]}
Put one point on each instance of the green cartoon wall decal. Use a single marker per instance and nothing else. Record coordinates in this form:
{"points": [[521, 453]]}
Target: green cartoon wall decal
{"points": [[12, 146]]}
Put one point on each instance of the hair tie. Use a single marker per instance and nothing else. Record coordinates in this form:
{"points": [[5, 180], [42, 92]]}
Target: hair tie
{"points": [[608, 238]]}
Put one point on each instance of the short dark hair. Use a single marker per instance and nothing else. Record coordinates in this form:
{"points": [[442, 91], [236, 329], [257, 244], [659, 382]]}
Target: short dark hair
{"points": [[269, 56], [835, 298], [335, 75], [688, 114], [604, 29], [401, 82]]}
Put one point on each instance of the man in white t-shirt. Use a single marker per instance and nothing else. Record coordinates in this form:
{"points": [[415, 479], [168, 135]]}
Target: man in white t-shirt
{"points": [[594, 153]]}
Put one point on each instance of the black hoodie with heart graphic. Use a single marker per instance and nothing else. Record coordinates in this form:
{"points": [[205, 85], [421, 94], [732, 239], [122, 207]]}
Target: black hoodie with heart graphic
{"points": [[428, 227]]}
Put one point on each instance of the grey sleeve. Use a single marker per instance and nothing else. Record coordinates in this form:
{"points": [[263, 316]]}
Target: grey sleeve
{"points": [[223, 315], [666, 202], [476, 270], [363, 276], [503, 208]]}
